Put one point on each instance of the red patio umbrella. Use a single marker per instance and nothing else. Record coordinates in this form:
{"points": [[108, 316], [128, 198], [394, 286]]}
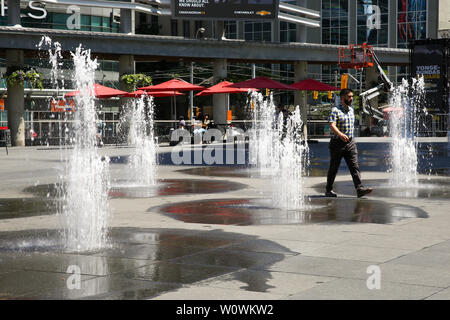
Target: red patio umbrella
{"points": [[174, 84], [222, 87], [262, 83], [139, 93], [99, 92], [313, 85]]}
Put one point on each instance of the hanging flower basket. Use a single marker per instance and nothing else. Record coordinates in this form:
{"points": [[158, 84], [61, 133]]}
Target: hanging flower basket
{"points": [[136, 80], [18, 77]]}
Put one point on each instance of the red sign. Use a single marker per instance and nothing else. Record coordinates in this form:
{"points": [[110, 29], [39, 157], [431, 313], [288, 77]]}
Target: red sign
{"points": [[2, 105]]}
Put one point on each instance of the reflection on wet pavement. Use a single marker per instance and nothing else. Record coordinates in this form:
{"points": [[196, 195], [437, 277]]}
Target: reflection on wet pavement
{"points": [[25, 207], [164, 187], [433, 158], [259, 211], [169, 187], [427, 188], [140, 264]]}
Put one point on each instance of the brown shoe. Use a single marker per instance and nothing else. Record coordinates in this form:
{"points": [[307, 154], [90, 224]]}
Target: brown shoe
{"points": [[361, 192]]}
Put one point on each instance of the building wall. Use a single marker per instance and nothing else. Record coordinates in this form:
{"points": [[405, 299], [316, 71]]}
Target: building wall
{"points": [[444, 15]]}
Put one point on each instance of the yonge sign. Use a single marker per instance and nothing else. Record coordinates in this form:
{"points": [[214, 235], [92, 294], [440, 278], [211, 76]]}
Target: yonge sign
{"points": [[38, 12]]}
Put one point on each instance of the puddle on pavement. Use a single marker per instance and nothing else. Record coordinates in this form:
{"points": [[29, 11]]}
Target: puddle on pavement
{"points": [[426, 188], [141, 263], [260, 212], [224, 171], [164, 187], [25, 207]]}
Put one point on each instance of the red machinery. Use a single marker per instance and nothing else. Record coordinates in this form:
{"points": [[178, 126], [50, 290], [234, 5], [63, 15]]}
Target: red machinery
{"points": [[356, 56]]}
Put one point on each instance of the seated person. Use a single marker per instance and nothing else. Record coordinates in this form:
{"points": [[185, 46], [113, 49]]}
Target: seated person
{"points": [[181, 123], [206, 122]]}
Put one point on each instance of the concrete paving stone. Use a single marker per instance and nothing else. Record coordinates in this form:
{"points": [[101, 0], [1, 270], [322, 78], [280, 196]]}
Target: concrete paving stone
{"points": [[330, 236], [224, 261], [358, 252], [28, 284], [441, 295], [261, 245], [4, 271], [417, 229], [108, 287], [194, 292], [441, 246], [319, 266], [416, 275], [353, 289], [435, 258], [369, 228], [88, 264], [301, 247], [176, 273], [273, 282], [233, 259], [398, 241]]}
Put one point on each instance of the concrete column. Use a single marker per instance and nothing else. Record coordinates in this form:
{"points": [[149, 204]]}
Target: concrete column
{"points": [[241, 27], [301, 29], [392, 24], [301, 73], [15, 101], [14, 13], [220, 30], [220, 100], [127, 21], [371, 81], [352, 34], [352, 23], [432, 19], [392, 36], [127, 65]]}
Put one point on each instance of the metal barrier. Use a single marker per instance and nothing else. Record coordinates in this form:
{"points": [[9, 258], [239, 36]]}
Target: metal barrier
{"points": [[56, 132], [432, 125]]}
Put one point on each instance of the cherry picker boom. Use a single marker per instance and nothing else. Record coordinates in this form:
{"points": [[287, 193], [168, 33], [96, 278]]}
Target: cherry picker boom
{"points": [[366, 96]]}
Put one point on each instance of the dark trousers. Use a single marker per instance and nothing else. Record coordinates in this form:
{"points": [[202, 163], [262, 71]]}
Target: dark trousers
{"points": [[347, 150]]}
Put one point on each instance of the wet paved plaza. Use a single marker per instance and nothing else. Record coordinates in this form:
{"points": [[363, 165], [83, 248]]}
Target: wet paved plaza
{"points": [[210, 232]]}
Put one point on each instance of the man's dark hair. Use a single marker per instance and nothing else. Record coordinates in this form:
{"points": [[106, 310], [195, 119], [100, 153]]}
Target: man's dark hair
{"points": [[344, 92]]}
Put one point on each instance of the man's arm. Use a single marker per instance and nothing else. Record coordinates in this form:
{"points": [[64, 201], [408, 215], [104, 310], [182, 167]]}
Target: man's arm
{"points": [[337, 132]]}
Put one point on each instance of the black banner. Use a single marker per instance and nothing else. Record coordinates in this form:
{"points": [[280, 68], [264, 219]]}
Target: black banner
{"points": [[225, 9], [428, 59]]}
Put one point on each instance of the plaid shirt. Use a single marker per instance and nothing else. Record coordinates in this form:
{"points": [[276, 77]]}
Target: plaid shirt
{"points": [[344, 119]]}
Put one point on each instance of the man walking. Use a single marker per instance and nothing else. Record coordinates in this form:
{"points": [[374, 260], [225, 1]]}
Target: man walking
{"points": [[342, 144]]}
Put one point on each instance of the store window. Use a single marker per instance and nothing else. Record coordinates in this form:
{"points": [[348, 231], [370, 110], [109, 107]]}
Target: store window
{"points": [[288, 32], [231, 29], [334, 19], [372, 22], [258, 31], [411, 21]]}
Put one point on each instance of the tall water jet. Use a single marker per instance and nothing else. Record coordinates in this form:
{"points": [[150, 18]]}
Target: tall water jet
{"points": [[291, 160], [142, 162], [405, 102], [85, 209], [263, 134]]}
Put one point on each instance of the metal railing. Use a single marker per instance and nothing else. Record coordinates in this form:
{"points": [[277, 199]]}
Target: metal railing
{"points": [[56, 131]]}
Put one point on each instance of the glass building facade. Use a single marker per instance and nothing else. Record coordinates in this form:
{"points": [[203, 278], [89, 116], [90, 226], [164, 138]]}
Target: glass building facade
{"points": [[372, 26]]}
